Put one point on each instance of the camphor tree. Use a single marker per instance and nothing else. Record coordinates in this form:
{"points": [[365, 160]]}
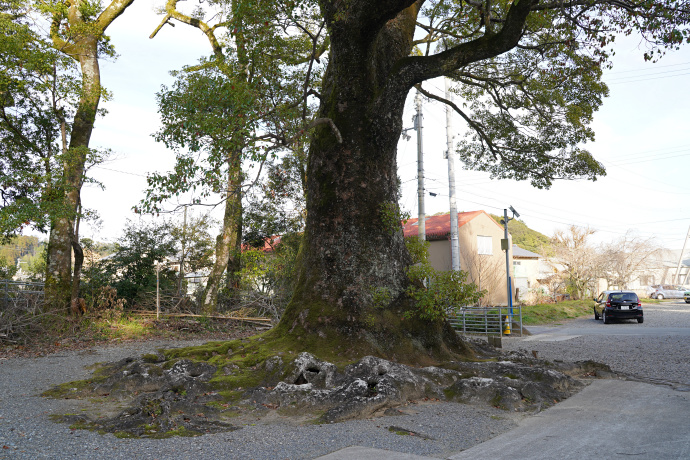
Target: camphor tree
{"points": [[530, 70], [246, 102]]}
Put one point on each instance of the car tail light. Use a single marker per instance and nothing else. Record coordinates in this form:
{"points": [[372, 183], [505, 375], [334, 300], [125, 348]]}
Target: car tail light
{"points": [[608, 303]]}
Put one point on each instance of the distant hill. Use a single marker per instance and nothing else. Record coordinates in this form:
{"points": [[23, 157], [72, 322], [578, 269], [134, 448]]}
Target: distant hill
{"points": [[525, 237]]}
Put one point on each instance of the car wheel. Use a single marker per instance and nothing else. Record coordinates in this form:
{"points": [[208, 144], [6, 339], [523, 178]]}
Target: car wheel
{"points": [[640, 320], [604, 317], [596, 315], [659, 297], [687, 301]]}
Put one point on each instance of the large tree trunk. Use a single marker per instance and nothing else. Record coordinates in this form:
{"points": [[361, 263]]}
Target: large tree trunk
{"points": [[353, 246]]}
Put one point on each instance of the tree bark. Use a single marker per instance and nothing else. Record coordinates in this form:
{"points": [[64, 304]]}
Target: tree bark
{"points": [[353, 245], [84, 49], [228, 243]]}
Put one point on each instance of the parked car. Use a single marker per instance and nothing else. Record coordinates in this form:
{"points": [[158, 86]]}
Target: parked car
{"points": [[668, 291], [618, 305], [686, 296]]}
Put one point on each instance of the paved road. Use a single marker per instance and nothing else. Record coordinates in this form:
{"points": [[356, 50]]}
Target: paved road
{"points": [[610, 419]]}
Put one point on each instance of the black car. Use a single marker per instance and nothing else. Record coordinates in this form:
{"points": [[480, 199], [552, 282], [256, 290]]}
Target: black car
{"points": [[618, 305]]}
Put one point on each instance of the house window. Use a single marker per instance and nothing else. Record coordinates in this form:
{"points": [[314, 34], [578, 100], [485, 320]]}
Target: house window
{"points": [[484, 245], [516, 262]]}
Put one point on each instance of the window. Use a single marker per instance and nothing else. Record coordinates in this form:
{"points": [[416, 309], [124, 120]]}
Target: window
{"points": [[484, 245]]}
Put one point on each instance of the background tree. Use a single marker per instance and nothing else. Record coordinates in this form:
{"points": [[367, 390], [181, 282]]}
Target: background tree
{"points": [[259, 105], [573, 250], [487, 274], [38, 88], [131, 269], [626, 258], [276, 206], [50, 95], [194, 244], [77, 29]]}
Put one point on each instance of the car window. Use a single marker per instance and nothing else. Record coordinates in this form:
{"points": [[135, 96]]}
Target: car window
{"points": [[624, 297]]}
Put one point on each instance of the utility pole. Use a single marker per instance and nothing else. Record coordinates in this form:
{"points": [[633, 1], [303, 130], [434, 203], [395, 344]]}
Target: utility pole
{"points": [[421, 229], [505, 245], [450, 154], [680, 260]]}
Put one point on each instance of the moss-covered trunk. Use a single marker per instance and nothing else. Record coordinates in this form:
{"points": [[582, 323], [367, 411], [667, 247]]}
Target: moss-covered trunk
{"points": [[60, 286], [229, 241], [352, 279]]}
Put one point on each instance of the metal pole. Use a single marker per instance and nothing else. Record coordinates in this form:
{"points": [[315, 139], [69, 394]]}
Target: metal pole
{"points": [[158, 294], [454, 239], [509, 287], [680, 259], [421, 232]]}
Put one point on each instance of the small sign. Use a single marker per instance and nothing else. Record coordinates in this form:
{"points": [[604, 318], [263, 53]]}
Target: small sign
{"points": [[504, 244]]}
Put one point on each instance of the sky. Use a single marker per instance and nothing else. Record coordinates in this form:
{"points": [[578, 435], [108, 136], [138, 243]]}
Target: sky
{"points": [[642, 138]]}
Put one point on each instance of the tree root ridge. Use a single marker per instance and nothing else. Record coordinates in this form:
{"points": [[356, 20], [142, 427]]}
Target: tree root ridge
{"points": [[180, 396]]}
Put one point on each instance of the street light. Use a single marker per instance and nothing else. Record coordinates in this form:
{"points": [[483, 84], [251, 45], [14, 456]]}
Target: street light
{"points": [[505, 245]]}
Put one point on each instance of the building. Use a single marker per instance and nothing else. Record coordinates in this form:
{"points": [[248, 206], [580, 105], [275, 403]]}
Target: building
{"points": [[481, 255]]}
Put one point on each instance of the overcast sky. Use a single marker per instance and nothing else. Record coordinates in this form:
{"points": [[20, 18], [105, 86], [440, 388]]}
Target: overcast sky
{"points": [[642, 138]]}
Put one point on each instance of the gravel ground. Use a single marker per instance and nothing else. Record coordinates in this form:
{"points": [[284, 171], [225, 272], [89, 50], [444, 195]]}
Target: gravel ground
{"points": [[663, 359], [26, 432]]}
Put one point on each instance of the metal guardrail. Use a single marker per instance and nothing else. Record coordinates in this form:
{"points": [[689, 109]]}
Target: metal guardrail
{"points": [[487, 321], [19, 291]]}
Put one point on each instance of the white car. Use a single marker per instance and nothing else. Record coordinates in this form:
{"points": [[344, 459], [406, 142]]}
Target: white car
{"points": [[668, 291]]}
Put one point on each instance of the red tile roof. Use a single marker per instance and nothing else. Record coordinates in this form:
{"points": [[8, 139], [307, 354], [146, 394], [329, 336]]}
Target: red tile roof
{"points": [[438, 227]]}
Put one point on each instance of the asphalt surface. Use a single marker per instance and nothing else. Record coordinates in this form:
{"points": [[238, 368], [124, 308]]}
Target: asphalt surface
{"points": [[643, 417], [610, 419]]}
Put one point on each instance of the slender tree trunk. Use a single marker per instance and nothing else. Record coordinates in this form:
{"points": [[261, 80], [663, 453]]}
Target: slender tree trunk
{"points": [[353, 244], [228, 243], [59, 281]]}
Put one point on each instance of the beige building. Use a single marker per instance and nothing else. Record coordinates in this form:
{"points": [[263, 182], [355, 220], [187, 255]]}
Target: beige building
{"points": [[480, 250], [527, 271]]}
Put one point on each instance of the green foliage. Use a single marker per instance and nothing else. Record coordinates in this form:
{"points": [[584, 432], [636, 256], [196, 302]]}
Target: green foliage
{"points": [[436, 293], [270, 276], [381, 297], [38, 88], [530, 106], [7, 269], [195, 238], [131, 269], [277, 206], [390, 216], [257, 106]]}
